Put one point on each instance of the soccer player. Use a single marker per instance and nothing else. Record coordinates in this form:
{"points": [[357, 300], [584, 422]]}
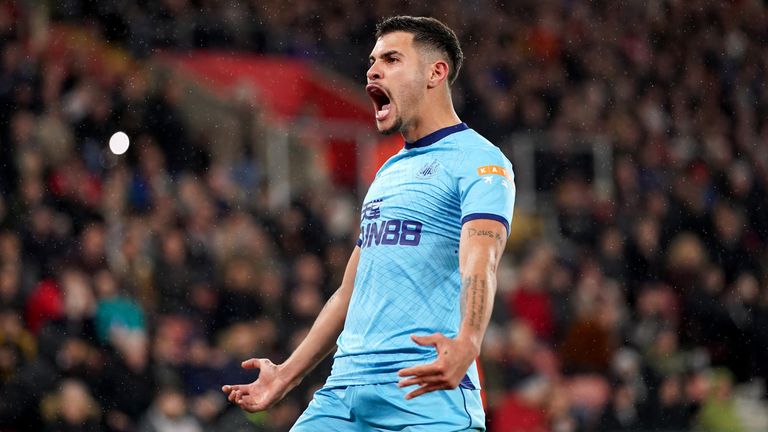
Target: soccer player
{"points": [[408, 320]]}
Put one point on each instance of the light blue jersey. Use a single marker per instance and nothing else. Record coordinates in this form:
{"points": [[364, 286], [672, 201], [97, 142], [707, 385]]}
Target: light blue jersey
{"points": [[408, 279]]}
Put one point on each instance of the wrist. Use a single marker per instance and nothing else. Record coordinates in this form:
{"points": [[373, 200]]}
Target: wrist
{"points": [[471, 342], [289, 375]]}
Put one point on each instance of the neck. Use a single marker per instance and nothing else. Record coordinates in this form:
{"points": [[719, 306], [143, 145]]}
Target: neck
{"points": [[434, 115]]}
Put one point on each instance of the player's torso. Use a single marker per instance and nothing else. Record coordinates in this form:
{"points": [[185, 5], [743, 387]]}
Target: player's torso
{"points": [[412, 199], [407, 278]]}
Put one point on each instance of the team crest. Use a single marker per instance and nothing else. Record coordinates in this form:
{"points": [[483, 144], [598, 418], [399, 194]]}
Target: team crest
{"points": [[428, 170]]}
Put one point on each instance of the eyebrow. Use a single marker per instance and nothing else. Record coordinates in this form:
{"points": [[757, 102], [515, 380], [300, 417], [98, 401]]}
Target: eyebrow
{"points": [[385, 54]]}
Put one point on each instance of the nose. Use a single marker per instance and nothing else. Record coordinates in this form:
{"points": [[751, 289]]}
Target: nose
{"points": [[373, 72]]}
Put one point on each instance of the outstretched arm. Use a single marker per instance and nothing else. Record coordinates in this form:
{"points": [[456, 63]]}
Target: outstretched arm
{"points": [[481, 246], [275, 381]]}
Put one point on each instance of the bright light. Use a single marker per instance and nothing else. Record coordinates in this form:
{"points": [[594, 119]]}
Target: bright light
{"points": [[119, 143]]}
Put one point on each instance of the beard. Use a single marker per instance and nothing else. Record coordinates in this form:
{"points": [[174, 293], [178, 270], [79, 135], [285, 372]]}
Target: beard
{"points": [[396, 127]]}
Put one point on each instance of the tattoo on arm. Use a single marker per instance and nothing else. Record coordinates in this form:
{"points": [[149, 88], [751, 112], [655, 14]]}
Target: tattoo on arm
{"points": [[473, 301], [472, 232], [464, 293]]}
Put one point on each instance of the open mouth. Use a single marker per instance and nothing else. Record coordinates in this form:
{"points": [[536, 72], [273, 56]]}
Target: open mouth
{"points": [[381, 101]]}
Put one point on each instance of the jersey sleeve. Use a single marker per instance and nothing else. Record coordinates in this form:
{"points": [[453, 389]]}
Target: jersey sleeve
{"points": [[486, 186]]}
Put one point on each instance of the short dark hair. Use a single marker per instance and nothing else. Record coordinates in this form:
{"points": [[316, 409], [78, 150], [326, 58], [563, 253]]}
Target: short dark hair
{"points": [[427, 32]]}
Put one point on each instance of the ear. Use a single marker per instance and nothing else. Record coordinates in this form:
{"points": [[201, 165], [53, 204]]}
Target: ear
{"points": [[438, 73]]}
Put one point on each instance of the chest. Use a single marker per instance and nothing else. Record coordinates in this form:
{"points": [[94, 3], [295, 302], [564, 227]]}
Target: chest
{"points": [[411, 186], [413, 201]]}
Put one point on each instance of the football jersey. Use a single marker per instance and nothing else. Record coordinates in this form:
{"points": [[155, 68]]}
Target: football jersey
{"points": [[408, 279]]}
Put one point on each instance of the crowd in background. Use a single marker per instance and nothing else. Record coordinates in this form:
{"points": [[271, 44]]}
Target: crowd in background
{"points": [[132, 287]]}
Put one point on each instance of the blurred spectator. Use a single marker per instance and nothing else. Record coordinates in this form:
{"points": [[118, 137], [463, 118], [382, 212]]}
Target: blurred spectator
{"points": [[524, 409], [238, 300], [44, 304], [668, 410], [71, 409], [643, 255], [172, 273], [622, 414], [163, 118], [517, 361], [11, 296], [169, 413], [17, 345], [115, 313], [89, 252], [664, 357], [129, 385], [718, 412], [530, 300]]}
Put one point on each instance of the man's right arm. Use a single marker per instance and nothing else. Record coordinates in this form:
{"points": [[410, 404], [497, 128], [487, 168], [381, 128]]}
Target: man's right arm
{"points": [[275, 381], [321, 339]]}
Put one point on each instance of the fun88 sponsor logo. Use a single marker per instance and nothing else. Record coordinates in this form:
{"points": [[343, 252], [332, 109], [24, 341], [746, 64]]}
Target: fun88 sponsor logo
{"points": [[391, 232]]}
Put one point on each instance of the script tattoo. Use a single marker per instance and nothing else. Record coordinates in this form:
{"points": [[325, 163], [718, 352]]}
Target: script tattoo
{"points": [[465, 283], [472, 232], [474, 303]]}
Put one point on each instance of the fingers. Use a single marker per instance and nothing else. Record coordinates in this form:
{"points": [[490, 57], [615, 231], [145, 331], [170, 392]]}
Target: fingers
{"points": [[426, 388], [243, 396], [236, 393], [421, 370], [253, 363], [228, 389], [420, 380], [429, 376], [255, 396], [240, 396], [249, 403], [430, 340], [232, 392]]}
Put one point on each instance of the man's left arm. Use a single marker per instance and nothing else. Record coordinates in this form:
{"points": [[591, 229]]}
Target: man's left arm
{"points": [[481, 246]]}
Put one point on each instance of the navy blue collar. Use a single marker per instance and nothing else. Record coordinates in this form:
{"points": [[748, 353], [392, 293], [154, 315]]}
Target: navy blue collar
{"points": [[436, 136]]}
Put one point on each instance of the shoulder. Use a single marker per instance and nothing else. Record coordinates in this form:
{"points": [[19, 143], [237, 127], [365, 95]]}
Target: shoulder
{"points": [[473, 150], [395, 158]]}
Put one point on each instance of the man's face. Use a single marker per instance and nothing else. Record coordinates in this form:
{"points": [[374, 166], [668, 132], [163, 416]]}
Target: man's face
{"points": [[397, 81]]}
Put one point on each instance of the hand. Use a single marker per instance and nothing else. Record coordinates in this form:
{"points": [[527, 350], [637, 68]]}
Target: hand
{"points": [[263, 393], [454, 356]]}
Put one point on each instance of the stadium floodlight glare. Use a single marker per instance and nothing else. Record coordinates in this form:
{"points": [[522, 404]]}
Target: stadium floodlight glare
{"points": [[119, 142]]}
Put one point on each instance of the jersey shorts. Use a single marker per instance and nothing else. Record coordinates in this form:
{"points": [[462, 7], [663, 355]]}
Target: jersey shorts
{"points": [[382, 407]]}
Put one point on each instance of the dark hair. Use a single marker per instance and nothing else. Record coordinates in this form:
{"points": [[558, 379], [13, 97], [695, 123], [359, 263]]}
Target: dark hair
{"points": [[428, 32]]}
